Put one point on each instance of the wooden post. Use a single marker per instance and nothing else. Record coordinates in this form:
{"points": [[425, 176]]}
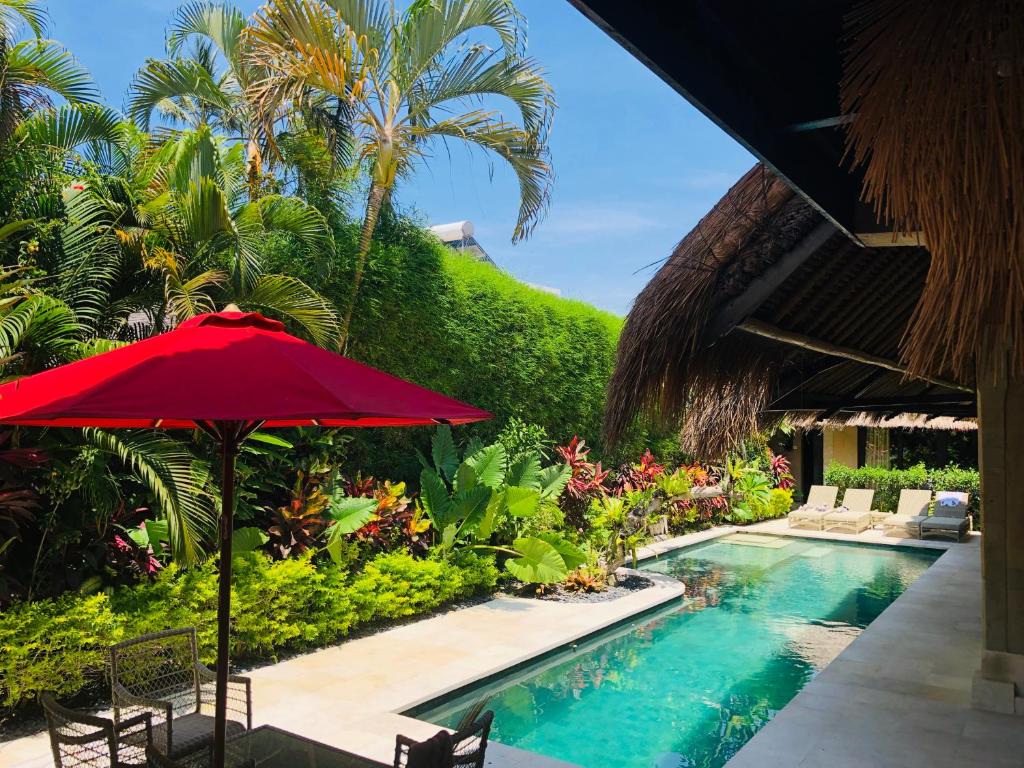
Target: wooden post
{"points": [[999, 684]]}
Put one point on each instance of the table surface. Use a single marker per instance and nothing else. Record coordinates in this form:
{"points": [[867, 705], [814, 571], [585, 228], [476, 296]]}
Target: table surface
{"points": [[270, 747]]}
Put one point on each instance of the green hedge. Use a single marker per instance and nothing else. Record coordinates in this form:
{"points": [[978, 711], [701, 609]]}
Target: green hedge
{"points": [[887, 483], [463, 327], [286, 605]]}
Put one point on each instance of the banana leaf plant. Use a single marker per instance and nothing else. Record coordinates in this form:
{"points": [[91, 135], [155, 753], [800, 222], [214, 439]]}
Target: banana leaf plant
{"points": [[468, 501]]}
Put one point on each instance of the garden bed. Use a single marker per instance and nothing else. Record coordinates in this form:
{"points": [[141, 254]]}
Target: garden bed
{"points": [[559, 594]]}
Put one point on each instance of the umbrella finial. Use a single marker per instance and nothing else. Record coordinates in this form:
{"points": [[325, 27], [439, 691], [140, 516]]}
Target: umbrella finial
{"points": [[232, 307]]}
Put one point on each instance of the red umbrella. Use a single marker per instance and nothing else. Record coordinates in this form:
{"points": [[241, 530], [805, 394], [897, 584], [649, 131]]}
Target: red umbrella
{"points": [[227, 374]]}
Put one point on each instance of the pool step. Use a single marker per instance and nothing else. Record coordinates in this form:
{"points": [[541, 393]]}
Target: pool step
{"points": [[756, 540]]}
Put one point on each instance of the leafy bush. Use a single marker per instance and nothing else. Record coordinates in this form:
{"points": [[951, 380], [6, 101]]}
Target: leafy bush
{"points": [[887, 483], [781, 502], [284, 605]]}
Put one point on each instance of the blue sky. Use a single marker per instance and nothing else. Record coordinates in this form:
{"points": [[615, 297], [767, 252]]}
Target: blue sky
{"points": [[636, 165]]}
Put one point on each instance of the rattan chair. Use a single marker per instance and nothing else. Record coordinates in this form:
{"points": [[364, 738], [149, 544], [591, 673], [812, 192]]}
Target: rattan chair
{"points": [[161, 674], [79, 740], [468, 745]]}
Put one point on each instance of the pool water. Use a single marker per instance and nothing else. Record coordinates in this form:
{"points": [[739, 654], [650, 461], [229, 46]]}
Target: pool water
{"points": [[689, 685]]}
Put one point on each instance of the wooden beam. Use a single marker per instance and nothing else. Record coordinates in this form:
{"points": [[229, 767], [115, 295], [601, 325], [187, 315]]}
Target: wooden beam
{"points": [[744, 305], [760, 328], [890, 239], [953, 401]]}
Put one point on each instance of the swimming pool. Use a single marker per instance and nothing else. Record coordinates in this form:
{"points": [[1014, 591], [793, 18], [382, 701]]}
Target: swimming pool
{"points": [[689, 685]]}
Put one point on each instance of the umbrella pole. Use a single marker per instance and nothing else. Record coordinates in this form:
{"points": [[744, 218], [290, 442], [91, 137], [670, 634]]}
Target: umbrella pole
{"points": [[228, 449]]}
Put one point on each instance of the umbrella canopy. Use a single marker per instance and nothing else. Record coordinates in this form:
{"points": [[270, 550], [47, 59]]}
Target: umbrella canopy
{"points": [[224, 367], [228, 374]]}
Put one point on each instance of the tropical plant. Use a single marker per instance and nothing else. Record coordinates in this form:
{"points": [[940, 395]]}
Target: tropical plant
{"points": [[586, 580], [782, 477], [586, 481], [34, 70], [405, 81], [749, 491], [202, 80], [620, 525], [468, 501], [172, 228], [636, 477]]}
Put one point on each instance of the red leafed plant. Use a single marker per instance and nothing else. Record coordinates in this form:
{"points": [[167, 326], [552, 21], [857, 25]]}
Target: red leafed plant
{"points": [[585, 483], [702, 510], [587, 478], [395, 524], [636, 477], [781, 474]]}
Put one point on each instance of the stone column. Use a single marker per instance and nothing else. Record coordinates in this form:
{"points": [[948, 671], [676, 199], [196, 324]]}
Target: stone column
{"points": [[999, 684]]}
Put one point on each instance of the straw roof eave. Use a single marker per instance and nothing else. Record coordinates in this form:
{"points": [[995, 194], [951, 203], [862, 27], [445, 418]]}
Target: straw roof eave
{"points": [[719, 388]]}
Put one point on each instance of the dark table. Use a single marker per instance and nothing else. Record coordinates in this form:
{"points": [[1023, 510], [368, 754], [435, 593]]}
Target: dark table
{"points": [[270, 747]]}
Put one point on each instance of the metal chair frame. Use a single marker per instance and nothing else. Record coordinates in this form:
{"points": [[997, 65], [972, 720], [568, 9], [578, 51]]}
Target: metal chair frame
{"points": [[99, 742], [195, 685]]}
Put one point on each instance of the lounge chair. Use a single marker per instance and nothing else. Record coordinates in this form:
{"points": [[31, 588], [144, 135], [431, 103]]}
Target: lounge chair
{"points": [[911, 510], [855, 513], [950, 520], [820, 500]]}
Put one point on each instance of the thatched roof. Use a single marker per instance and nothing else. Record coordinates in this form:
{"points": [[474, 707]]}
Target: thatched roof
{"points": [[764, 310]]}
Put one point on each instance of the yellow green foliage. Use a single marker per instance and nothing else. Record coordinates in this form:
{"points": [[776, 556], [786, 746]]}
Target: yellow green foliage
{"points": [[61, 645]]}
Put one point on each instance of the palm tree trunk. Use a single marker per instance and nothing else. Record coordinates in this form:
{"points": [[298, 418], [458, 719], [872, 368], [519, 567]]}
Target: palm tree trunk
{"points": [[373, 204]]}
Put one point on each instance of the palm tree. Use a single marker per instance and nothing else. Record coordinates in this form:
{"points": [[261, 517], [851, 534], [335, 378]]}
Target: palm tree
{"points": [[404, 81], [169, 232], [203, 81], [34, 70]]}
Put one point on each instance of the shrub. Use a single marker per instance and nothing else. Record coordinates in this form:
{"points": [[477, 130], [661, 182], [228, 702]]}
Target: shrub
{"points": [[57, 645], [887, 483], [61, 644], [780, 503], [463, 327]]}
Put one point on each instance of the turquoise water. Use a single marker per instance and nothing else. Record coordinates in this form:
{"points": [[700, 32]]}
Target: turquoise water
{"points": [[689, 685]]}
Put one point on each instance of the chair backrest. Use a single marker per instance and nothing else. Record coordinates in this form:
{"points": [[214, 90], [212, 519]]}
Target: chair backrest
{"points": [[914, 502], [162, 665], [822, 495], [469, 745], [858, 499], [78, 739], [951, 504]]}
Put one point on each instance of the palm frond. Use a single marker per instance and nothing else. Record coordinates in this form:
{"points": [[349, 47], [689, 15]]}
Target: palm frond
{"points": [[39, 328], [219, 23], [91, 253], [13, 12], [188, 298], [45, 65], [302, 45], [431, 27], [478, 74], [202, 214], [161, 86], [175, 479], [293, 300], [369, 19], [521, 150], [70, 126]]}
